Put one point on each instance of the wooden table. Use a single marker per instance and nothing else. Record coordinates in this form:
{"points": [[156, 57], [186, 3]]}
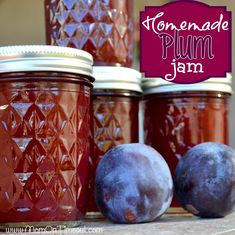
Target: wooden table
{"points": [[167, 225]]}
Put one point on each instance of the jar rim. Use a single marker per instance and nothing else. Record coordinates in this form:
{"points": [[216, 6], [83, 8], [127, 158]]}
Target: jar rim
{"points": [[158, 85], [111, 77], [29, 58]]}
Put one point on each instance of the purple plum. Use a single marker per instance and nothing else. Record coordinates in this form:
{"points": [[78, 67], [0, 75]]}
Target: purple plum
{"points": [[133, 184], [204, 180]]}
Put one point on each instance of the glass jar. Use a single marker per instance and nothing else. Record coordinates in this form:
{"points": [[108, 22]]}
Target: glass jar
{"points": [[177, 117], [115, 99], [44, 140], [103, 28]]}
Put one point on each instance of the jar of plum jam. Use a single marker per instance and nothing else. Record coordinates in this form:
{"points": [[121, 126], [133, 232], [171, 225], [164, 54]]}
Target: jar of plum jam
{"points": [[44, 140], [115, 98], [177, 117], [103, 28]]}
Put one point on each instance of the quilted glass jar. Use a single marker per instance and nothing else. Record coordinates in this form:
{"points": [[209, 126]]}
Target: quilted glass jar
{"points": [[177, 117], [103, 28], [115, 100], [44, 140]]}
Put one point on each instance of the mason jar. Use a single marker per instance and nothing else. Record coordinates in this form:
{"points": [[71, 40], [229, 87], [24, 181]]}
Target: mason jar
{"points": [[44, 135], [177, 117], [103, 28], [115, 103]]}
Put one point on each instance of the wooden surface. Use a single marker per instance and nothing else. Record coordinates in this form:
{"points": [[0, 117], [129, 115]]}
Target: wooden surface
{"points": [[172, 225], [167, 225]]}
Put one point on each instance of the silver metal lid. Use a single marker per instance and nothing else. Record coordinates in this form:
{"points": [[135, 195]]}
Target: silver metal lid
{"points": [[45, 58], [158, 85], [110, 77]]}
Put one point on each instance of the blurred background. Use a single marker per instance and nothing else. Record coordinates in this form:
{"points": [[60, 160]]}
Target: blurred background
{"points": [[22, 22]]}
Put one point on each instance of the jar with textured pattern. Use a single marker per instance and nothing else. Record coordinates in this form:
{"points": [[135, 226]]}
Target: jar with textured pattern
{"points": [[177, 117], [115, 100], [44, 140], [103, 28]]}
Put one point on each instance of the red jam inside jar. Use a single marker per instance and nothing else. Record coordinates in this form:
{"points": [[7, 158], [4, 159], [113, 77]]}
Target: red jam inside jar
{"points": [[178, 117], [115, 99], [44, 140], [103, 28]]}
